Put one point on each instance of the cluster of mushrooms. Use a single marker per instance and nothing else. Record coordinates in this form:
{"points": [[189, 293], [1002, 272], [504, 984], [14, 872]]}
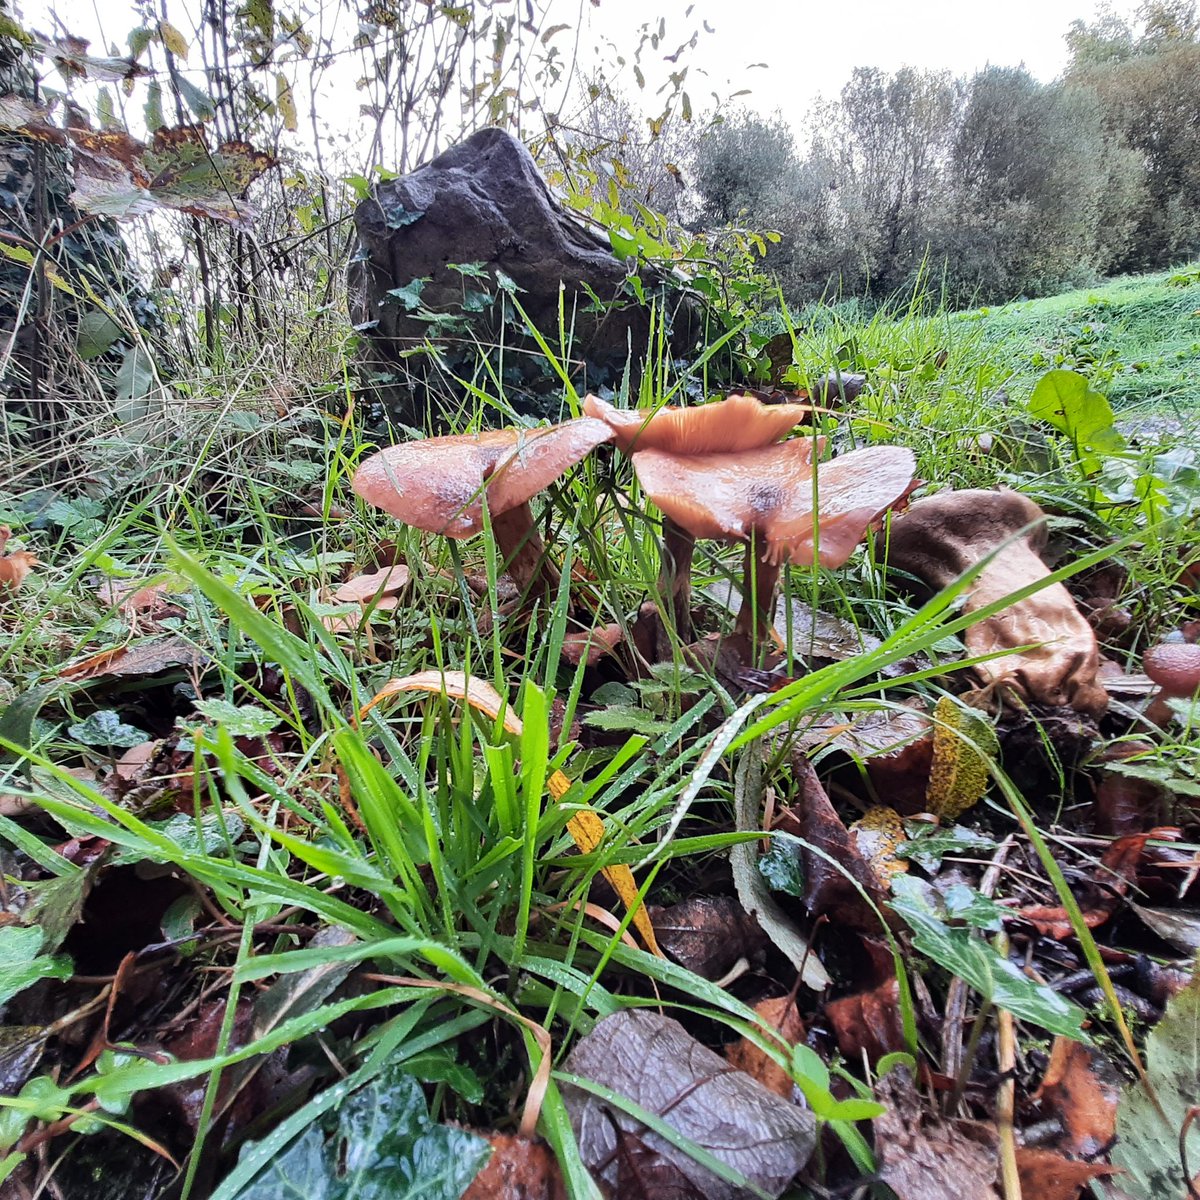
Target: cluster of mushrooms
{"points": [[730, 471], [716, 471]]}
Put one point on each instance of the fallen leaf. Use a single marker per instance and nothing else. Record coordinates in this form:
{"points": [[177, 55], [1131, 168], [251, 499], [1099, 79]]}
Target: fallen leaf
{"points": [[147, 657], [1150, 1124], [519, 1169], [868, 1022], [964, 742], [14, 567], [878, 834], [458, 685], [924, 1157], [593, 644], [150, 604], [780, 1015], [347, 621], [1085, 1106], [1178, 926], [387, 581], [1047, 1175], [708, 934], [1103, 896], [654, 1062]]}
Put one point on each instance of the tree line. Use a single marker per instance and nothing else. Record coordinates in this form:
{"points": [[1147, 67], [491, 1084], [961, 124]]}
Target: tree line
{"points": [[990, 186]]}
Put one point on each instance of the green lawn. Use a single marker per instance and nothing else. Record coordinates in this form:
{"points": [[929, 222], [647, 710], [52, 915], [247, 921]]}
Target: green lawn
{"points": [[1137, 338]]}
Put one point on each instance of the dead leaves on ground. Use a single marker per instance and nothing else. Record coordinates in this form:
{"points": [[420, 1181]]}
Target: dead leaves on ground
{"points": [[15, 566]]}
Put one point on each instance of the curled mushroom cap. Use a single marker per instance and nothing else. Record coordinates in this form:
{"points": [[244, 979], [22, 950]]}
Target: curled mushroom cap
{"points": [[437, 484], [724, 427], [941, 536], [1174, 666], [769, 492]]}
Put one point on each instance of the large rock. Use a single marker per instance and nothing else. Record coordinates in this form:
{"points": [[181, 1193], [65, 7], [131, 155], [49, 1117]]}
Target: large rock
{"points": [[484, 207]]}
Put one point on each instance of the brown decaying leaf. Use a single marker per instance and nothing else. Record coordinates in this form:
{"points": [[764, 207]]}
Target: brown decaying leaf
{"points": [[1084, 1104], [519, 1169], [878, 834], [1047, 1175], [593, 644], [828, 891], [923, 1157], [142, 607], [868, 1022], [781, 1015], [1117, 873], [658, 1065], [72, 59], [477, 693], [148, 657], [708, 934]]}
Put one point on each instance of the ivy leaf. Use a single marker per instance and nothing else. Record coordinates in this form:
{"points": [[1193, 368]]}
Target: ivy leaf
{"points": [[410, 294], [782, 869], [378, 1145], [1148, 1142], [105, 728], [971, 958], [240, 720]]}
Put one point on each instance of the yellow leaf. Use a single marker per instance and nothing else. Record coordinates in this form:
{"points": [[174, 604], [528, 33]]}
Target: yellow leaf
{"points": [[587, 830], [285, 102], [959, 775], [878, 834], [173, 39], [458, 685]]}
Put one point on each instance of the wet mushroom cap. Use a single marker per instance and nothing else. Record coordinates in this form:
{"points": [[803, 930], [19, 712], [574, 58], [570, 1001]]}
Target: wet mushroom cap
{"points": [[723, 427], [769, 491], [1174, 666], [437, 484]]}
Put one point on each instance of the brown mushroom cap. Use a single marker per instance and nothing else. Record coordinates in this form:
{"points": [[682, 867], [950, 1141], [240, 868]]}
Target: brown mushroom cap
{"points": [[437, 484], [769, 492], [1174, 666], [724, 427]]}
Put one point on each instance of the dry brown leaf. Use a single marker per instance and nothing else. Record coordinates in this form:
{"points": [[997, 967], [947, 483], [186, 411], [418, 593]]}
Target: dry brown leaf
{"points": [[14, 567], [135, 759], [1047, 1175], [708, 934], [592, 643], [387, 581], [781, 1015], [458, 685], [1085, 1105], [519, 1169], [148, 657], [347, 621]]}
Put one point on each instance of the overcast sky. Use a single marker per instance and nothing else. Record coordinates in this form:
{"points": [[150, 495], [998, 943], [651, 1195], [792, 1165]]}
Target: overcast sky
{"points": [[811, 46]]}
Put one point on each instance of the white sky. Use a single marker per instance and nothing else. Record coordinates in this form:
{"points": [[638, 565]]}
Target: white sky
{"points": [[812, 46]]}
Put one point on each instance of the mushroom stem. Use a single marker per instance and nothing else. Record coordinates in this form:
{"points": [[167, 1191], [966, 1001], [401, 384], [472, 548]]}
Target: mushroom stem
{"points": [[524, 553], [757, 614], [675, 576]]}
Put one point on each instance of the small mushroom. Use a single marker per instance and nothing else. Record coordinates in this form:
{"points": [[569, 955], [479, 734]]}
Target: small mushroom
{"points": [[1175, 667], [942, 536], [730, 426], [778, 501], [439, 485]]}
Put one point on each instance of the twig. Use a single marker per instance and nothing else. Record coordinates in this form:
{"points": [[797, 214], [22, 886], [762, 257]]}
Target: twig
{"points": [[1006, 1096]]}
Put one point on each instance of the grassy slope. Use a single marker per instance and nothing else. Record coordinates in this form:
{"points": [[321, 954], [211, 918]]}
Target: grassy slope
{"points": [[1137, 337]]}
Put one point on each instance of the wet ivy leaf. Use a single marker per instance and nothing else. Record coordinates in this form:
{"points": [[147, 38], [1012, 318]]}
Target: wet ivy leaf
{"points": [[971, 958], [105, 728], [379, 1145], [782, 870], [239, 720], [928, 844], [21, 962]]}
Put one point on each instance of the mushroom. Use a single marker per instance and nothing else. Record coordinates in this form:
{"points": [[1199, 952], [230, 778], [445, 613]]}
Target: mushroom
{"points": [[942, 536], [439, 485], [778, 501], [1175, 667], [732, 426]]}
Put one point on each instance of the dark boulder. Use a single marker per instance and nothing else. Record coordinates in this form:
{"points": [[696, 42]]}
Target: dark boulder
{"points": [[446, 252]]}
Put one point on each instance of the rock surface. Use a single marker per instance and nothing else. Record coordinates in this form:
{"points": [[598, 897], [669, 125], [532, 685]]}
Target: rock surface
{"points": [[484, 207]]}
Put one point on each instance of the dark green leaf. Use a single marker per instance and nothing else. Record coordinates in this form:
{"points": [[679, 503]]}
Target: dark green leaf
{"points": [[781, 868], [22, 964], [105, 728]]}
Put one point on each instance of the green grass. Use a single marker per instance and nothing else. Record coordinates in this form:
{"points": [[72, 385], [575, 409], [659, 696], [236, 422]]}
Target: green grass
{"points": [[1137, 338], [421, 833]]}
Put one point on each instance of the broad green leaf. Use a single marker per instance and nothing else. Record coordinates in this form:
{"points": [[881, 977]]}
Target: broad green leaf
{"points": [[1148, 1140], [22, 964], [239, 720], [378, 1145], [971, 958], [1065, 400], [95, 333], [105, 728]]}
